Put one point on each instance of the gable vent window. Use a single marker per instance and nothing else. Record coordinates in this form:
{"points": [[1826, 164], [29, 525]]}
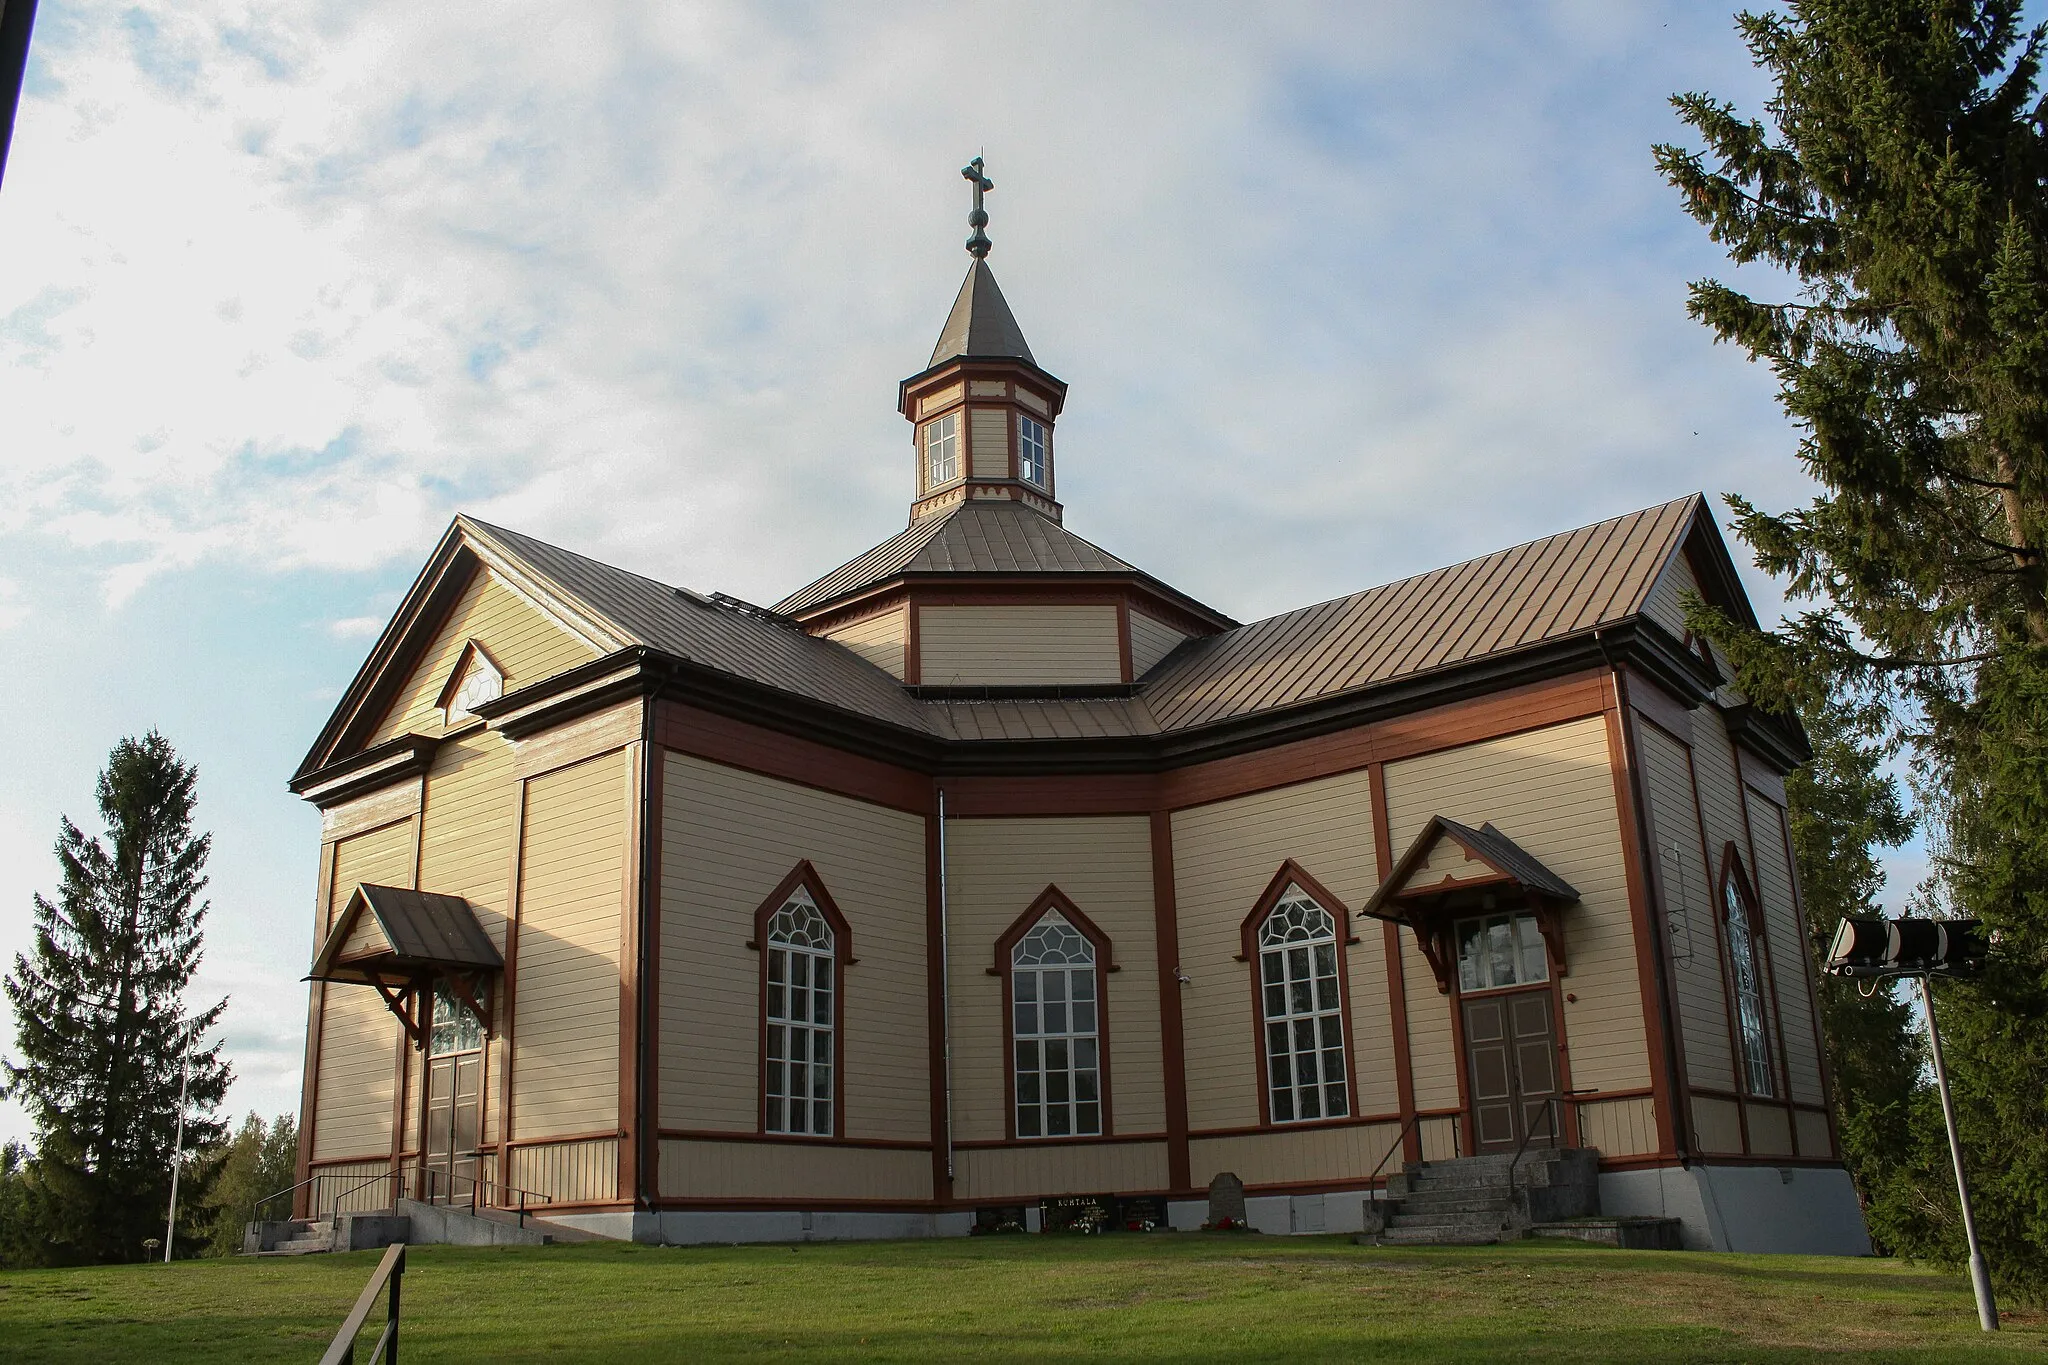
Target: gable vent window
{"points": [[477, 681], [942, 450], [1302, 1002], [1030, 450], [801, 980]]}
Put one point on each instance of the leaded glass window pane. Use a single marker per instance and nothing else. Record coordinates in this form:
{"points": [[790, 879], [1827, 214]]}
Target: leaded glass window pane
{"points": [[1056, 1026], [1749, 993], [802, 980], [1305, 1071], [455, 1028]]}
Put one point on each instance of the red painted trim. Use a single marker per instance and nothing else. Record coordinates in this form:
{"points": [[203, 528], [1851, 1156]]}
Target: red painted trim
{"points": [[806, 876], [936, 1023], [1052, 898], [650, 966], [736, 744], [790, 1139], [1292, 873], [1396, 966], [1172, 1037]]}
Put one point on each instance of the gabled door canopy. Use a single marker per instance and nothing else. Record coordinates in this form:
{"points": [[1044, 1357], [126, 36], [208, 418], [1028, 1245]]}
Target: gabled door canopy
{"points": [[1508, 876], [413, 938]]}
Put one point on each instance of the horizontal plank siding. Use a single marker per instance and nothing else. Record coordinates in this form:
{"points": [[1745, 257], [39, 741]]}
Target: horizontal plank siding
{"points": [[526, 645], [1225, 855], [996, 1174], [1300, 1157], [728, 839], [357, 1077], [989, 443], [879, 639], [566, 1026], [1018, 645], [995, 870], [1151, 641], [782, 1170]]}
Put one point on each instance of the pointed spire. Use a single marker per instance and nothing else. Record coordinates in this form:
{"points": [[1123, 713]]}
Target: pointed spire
{"points": [[981, 324]]}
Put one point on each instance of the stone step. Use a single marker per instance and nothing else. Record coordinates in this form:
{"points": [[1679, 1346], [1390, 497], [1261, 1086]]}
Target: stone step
{"points": [[1437, 1237], [1490, 1220], [1451, 1201]]}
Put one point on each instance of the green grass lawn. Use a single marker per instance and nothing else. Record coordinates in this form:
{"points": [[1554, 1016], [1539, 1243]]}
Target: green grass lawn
{"points": [[1158, 1297]]}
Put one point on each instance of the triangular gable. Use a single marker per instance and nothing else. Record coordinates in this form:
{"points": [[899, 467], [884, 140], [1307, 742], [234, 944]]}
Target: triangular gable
{"points": [[413, 661], [1698, 560], [1449, 857], [475, 679], [398, 940]]}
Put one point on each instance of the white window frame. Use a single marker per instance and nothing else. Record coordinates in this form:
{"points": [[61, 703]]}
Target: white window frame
{"points": [[1301, 1011], [1056, 1032], [1752, 1017], [1032, 450], [802, 978], [942, 443]]}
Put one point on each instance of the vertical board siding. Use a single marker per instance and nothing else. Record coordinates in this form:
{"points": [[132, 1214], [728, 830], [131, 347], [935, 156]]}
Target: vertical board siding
{"points": [[1788, 947], [728, 839], [1666, 605], [989, 443], [466, 833], [1770, 1130], [995, 869], [567, 1172], [1813, 1133], [1432, 1038], [565, 1058], [879, 639], [1689, 908], [1224, 856], [1018, 645], [787, 1170], [358, 1035], [1297, 1158], [1717, 1124], [993, 1174], [1617, 1128], [1151, 641], [522, 640], [359, 1187], [1552, 792]]}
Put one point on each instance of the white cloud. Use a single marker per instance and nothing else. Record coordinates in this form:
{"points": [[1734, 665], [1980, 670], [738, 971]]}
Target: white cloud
{"points": [[13, 610], [355, 627]]}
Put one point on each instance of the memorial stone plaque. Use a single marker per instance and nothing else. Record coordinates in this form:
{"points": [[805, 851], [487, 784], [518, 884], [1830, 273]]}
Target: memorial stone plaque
{"points": [[1226, 1201]]}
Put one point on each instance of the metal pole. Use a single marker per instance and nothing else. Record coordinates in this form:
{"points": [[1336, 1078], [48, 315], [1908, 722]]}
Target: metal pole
{"points": [[178, 1148], [1980, 1275]]}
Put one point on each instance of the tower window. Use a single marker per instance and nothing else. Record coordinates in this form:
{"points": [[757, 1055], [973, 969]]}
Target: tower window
{"points": [[1030, 450], [942, 450]]}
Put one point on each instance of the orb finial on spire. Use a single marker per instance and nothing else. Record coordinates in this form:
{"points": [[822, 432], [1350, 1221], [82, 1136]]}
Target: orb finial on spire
{"points": [[977, 241]]}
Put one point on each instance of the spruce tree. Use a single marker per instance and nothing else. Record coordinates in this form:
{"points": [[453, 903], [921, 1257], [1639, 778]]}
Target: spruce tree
{"points": [[102, 1024], [1898, 181]]}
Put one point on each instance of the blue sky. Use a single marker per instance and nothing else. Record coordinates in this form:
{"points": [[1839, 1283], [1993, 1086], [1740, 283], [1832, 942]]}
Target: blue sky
{"points": [[1343, 292]]}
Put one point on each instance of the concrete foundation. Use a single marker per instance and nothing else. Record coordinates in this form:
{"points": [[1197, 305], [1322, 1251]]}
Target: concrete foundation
{"points": [[1801, 1210], [1283, 1215], [686, 1227]]}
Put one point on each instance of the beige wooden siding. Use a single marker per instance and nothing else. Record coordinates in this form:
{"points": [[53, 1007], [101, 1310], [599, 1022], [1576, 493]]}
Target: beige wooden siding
{"points": [[1302, 1157], [369, 811], [1031, 400], [526, 644], [1717, 1124], [879, 639], [567, 1172], [1151, 641], [1688, 909], [988, 388], [585, 737], [358, 1187], [364, 936], [1770, 1130], [1552, 792], [995, 869], [780, 1170], [995, 1174], [1432, 1040], [565, 1038], [1813, 1133], [950, 394], [358, 1071], [1224, 856], [990, 442], [1619, 1128], [466, 831], [728, 838], [1018, 645], [1665, 604], [1788, 948], [1447, 861]]}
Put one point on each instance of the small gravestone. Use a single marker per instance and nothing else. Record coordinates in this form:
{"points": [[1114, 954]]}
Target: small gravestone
{"points": [[1226, 1201]]}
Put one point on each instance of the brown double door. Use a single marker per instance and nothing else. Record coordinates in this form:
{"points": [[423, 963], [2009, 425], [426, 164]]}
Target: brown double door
{"points": [[454, 1086], [1511, 1055]]}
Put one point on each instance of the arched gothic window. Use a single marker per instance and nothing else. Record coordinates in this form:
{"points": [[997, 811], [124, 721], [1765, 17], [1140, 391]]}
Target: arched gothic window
{"points": [[1054, 962], [1295, 939], [1746, 974], [804, 943]]}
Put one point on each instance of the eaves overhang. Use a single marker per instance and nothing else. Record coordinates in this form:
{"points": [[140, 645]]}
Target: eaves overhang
{"points": [[394, 760], [881, 593]]}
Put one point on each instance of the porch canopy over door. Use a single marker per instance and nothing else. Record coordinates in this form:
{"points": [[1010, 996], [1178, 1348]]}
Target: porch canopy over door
{"points": [[400, 942]]}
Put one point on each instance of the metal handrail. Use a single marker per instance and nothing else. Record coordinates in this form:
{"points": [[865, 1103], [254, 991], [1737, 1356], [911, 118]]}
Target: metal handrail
{"points": [[1415, 1122], [390, 1271], [257, 1207], [477, 1184]]}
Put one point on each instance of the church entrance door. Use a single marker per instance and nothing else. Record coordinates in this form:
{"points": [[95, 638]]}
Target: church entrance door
{"points": [[455, 1073], [1511, 1054]]}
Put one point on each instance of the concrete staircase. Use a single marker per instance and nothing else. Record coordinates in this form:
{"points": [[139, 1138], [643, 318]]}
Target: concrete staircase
{"points": [[412, 1222], [1471, 1201], [293, 1237]]}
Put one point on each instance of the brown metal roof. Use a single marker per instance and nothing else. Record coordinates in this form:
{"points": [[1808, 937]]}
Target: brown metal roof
{"points": [[981, 324], [424, 929], [988, 537], [1486, 843], [1558, 586]]}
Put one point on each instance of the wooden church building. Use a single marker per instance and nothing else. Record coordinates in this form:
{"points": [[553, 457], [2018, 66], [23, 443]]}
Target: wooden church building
{"points": [[988, 875]]}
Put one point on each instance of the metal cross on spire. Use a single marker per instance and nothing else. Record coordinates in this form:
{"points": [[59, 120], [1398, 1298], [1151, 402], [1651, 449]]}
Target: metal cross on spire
{"points": [[977, 241]]}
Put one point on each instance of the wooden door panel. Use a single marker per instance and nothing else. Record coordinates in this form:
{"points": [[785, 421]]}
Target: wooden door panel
{"points": [[1511, 1056], [1491, 1063]]}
